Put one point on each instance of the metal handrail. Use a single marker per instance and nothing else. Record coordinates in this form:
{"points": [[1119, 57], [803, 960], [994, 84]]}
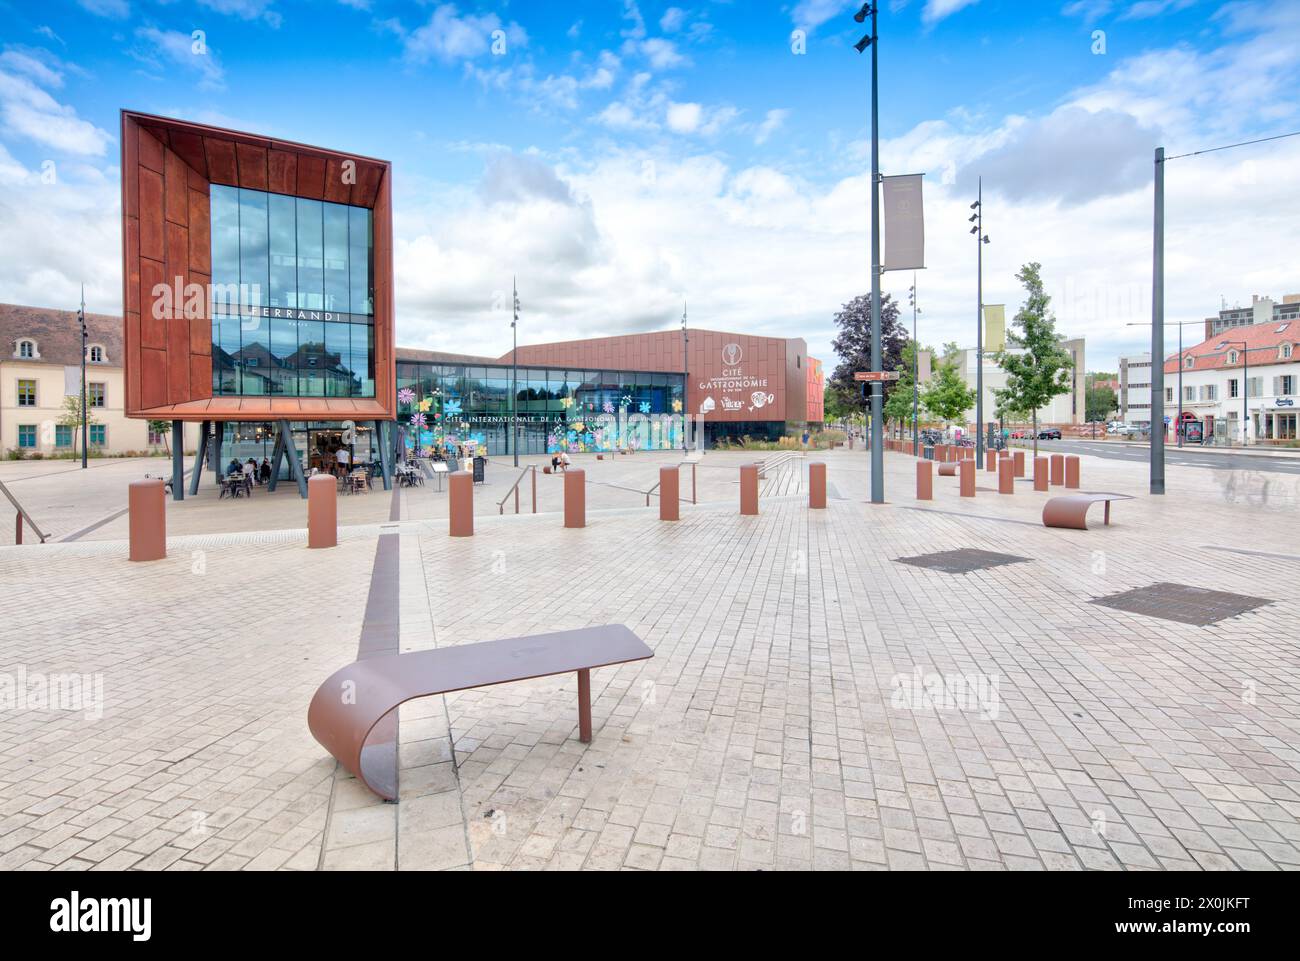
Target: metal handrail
{"points": [[514, 489], [21, 516], [651, 491]]}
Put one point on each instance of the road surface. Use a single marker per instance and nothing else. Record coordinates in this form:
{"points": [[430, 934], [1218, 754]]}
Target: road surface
{"points": [[1174, 457]]}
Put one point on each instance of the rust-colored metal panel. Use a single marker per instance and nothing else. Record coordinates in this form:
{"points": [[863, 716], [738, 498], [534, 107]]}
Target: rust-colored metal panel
{"points": [[130, 163], [311, 177], [222, 167], [366, 189], [189, 147], [151, 214], [132, 365], [200, 376], [177, 259], [131, 269], [282, 172], [336, 189], [176, 189], [178, 359], [153, 334], [151, 150], [200, 233], [153, 378], [252, 166]]}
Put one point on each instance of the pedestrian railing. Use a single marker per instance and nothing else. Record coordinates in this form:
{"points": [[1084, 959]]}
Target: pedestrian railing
{"points": [[20, 516], [529, 471]]}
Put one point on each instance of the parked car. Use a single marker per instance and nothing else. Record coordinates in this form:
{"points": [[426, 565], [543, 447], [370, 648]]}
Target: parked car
{"points": [[1126, 430], [1023, 434], [1049, 433]]}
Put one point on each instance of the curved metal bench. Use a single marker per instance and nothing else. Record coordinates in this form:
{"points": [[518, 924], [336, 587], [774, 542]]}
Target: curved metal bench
{"points": [[1071, 511], [349, 705]]}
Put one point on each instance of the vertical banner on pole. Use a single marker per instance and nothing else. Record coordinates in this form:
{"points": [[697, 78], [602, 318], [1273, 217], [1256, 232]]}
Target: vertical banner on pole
{"points": [[904, 219]]}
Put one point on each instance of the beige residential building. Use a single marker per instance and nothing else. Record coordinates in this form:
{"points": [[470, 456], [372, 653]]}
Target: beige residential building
{"points": [[40, 366]]}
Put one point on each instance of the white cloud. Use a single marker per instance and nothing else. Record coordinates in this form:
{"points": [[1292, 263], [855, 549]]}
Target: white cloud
{"points": [[449, 37], [685, 117], [936, 10], [811, 14], [663, 54], [672, 20], [29, 112], [117, 9], [773, 122], [162, 47], [32, 64]]}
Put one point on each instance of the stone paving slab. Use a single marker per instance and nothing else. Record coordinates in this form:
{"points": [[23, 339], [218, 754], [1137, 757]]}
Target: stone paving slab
{"points": [[812, 704]]}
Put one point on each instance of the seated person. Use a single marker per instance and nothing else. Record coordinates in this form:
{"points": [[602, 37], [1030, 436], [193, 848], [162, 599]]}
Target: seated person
{"points": [[235, 467]]}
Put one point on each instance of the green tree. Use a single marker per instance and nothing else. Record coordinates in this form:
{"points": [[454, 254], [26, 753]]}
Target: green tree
{"points": [[1039, 369], [948, 398], [853, 345], [71, 417], [163, 429], [898, 405], [1101, 403]]}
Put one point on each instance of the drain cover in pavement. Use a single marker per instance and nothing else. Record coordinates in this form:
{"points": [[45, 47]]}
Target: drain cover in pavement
{"points": [[964, 561], [1186, 605]]}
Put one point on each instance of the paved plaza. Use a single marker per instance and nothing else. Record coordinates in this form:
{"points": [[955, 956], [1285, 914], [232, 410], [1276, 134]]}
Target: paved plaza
{"points": [[813, 703]]}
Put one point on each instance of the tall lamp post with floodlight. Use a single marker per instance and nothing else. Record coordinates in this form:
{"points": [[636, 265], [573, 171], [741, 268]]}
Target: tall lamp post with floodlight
{"points": [[514, 382], [872, 40], [981, 238], [916, 375]]}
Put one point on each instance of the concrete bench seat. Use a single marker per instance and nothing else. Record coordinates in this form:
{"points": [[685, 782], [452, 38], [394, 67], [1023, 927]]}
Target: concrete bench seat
{"points": [[1071, 511], [348, 706]]}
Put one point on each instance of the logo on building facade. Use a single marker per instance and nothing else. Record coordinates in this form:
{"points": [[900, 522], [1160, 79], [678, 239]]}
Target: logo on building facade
{"points": [[732, 355]]}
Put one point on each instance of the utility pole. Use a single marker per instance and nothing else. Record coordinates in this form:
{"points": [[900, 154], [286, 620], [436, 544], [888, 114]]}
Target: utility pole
{"points": [[686, 374], [1158, 335], [85, 336], [877, 399], [916, 375], [980, 240], [514, 362]]}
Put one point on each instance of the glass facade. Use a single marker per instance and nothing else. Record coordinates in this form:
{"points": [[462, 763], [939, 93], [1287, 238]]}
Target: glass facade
{"points": [[292, 296], [446, 406]]}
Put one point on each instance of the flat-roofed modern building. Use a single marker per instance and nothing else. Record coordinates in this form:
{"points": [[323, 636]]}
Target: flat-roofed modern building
{"points": [[257, 284]]}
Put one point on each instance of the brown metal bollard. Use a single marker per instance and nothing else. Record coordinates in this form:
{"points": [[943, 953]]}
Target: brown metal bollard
{"points": [[460, 494], [991, 461], [1072, 472], [967, 471], [322, 512], [1020, 463], [1058, 470], [147, 506], [925, 480], [575, 499], [1040, 473], [1007, 476], [817, 487], [749, 490], [670, 508]]}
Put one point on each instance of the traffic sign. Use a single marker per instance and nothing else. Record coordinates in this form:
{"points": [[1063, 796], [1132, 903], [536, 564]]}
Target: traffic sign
{"points": [[876, 376]]}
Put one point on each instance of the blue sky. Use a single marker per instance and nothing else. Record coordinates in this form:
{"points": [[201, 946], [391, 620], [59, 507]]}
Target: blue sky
{"points": [[621, 156]]}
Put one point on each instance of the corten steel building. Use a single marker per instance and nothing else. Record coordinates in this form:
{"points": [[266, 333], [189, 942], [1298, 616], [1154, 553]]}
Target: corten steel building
{"points": [[258, 290], [586, 395]]}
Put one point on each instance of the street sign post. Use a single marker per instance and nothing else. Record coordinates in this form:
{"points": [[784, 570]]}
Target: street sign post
{"points": [[877, 376]]}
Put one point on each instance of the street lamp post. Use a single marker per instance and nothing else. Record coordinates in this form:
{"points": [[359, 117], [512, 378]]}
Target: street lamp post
{"points": [[85, 336], [686, 375], [877, 406], [916, 377], [981, 239], [514, 377]]}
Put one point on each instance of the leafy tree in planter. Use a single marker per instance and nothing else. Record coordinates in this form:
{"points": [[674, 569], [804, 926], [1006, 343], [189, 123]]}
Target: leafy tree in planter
{"points": [[853, 345], [948, 398], [1040, 370]]}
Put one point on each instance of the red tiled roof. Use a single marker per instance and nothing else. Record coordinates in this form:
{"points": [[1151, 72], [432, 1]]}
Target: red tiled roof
{"points": [[58, 335], [1262, 341]]}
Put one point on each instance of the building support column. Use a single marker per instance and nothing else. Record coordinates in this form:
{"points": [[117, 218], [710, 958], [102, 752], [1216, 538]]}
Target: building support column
{"points": [[385, 454], [199, 456], [295, 462], [178, 460], [277, 458], [218, 441]]}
